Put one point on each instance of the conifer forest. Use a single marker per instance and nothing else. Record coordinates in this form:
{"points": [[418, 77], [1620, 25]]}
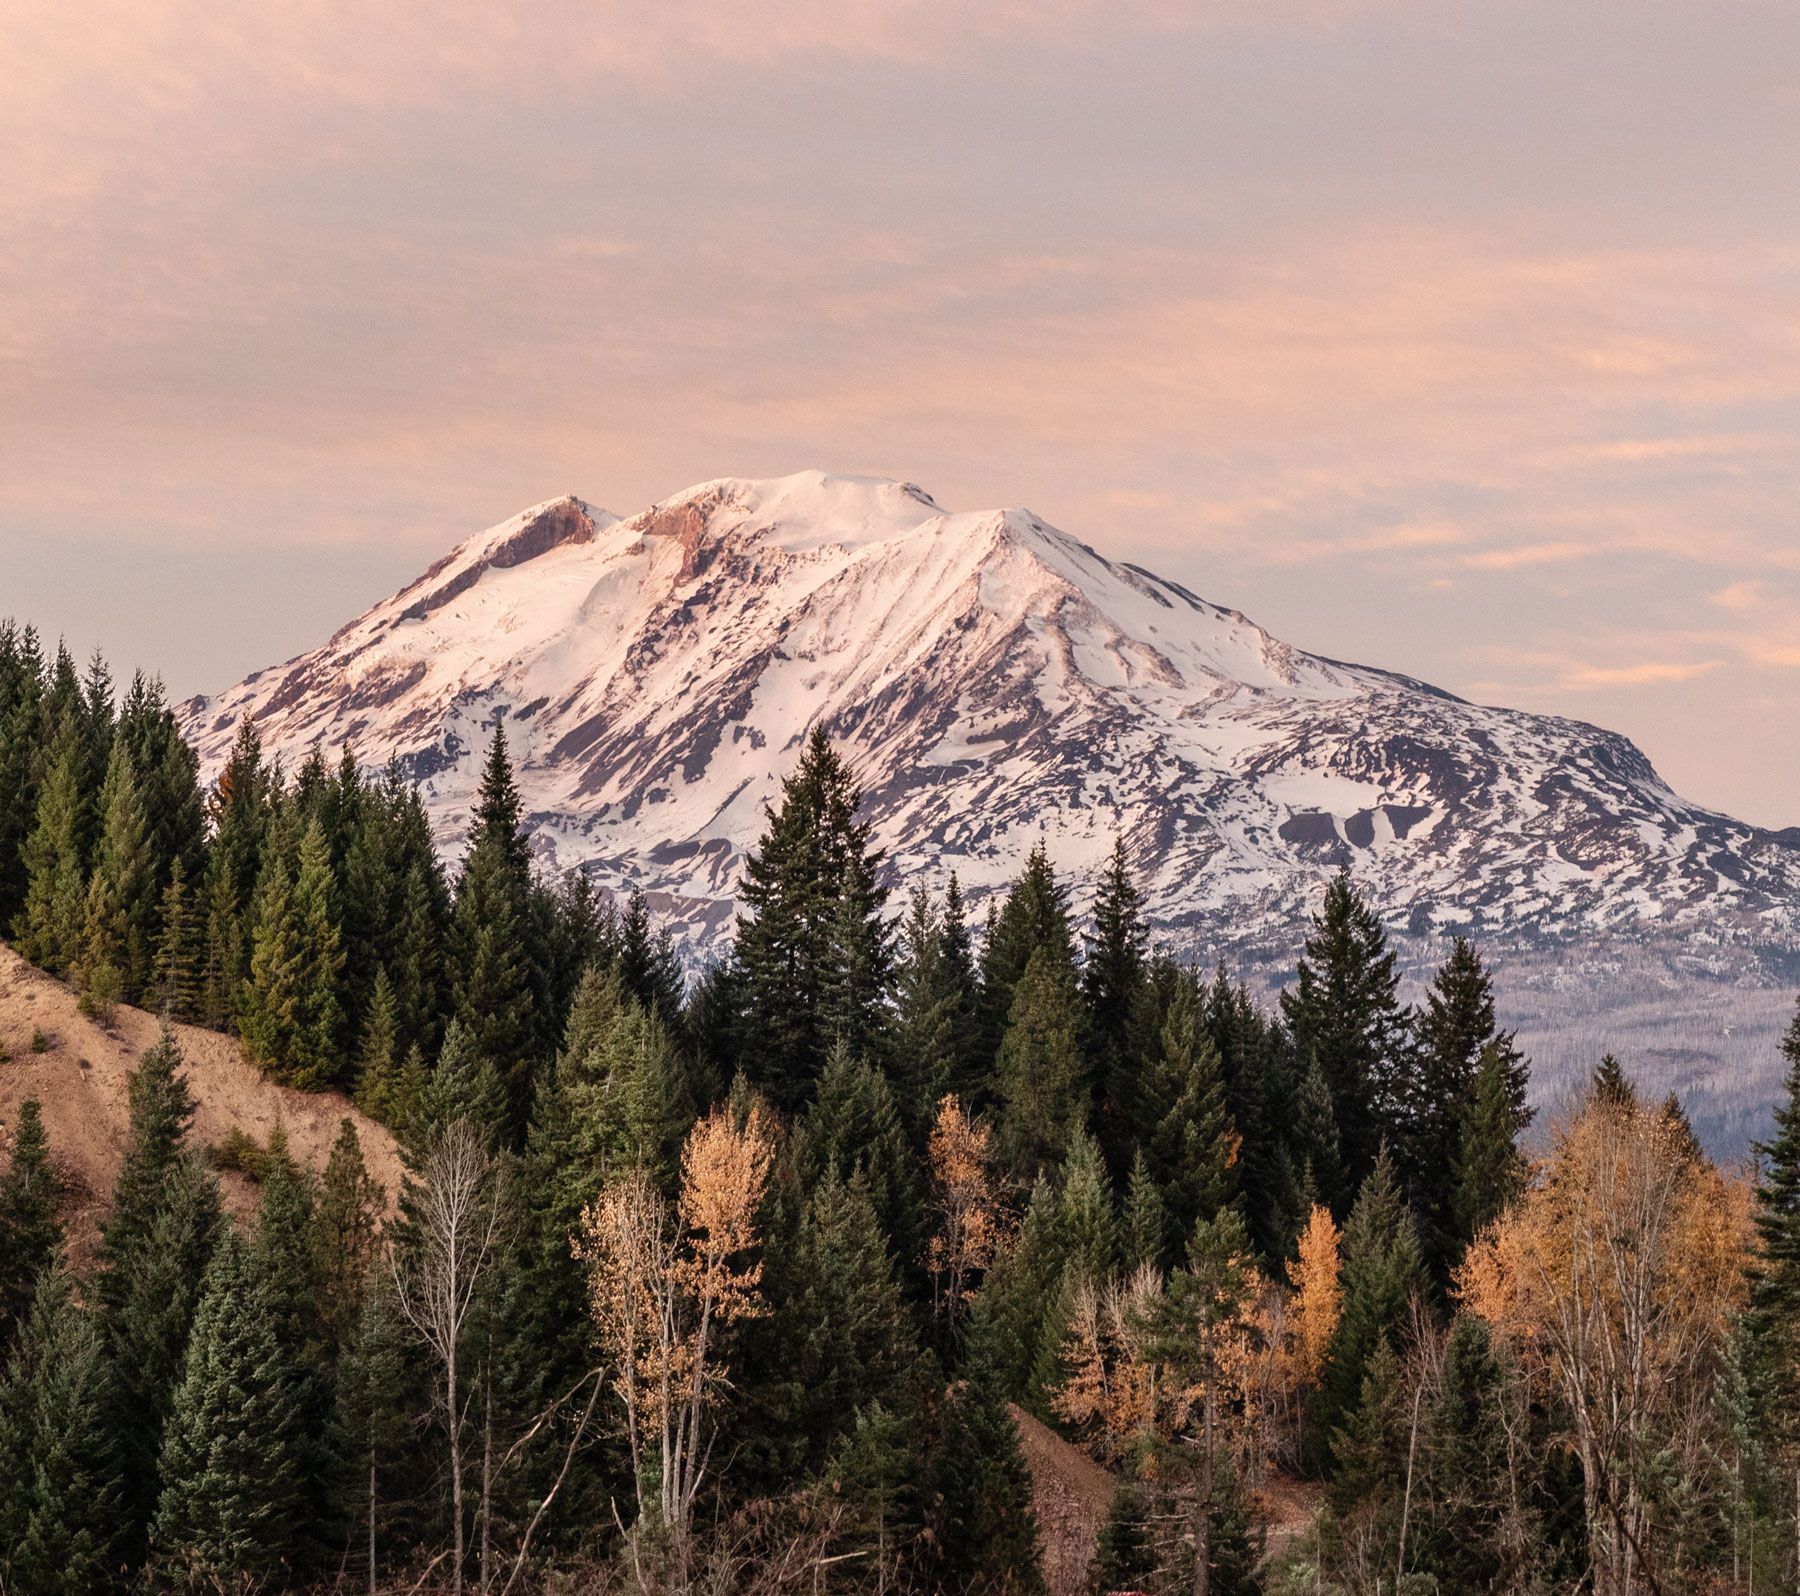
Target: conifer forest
{"points": [[805, 1271]]}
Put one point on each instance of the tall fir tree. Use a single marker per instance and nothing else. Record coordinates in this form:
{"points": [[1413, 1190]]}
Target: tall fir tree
{"points": [[231, 1510], [1034, 916], [1042, 1070], [1473, 1534], [1190, 1142], [648, 963], [53, 919], [1113, 975], [812, 951], [1384, 1270], [315, 1059], [1344, 1011], [1489, 1171], [59, 1489], [491, 968], [121, 897], [1458, 1037], [177, 970], [1773, 1320], [21, 703], [240, 808], [30, 1232]]}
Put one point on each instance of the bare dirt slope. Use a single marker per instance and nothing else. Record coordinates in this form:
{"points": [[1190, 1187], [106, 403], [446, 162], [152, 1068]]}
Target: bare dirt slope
{"points": [[1071, 1495], [81, 1079]]}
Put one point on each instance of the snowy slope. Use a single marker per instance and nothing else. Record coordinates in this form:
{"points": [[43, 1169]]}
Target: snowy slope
{"points": [[993, 680]]}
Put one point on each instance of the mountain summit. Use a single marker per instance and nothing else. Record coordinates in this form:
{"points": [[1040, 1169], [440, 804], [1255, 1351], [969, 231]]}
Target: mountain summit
{"points": [[993, 681]]}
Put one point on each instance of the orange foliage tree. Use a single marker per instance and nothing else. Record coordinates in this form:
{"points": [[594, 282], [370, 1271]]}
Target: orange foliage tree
{"points": [[1618, 1276], [968, 1213]]}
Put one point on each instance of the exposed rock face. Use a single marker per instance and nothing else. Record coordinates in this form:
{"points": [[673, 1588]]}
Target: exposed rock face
{"points": [[993, 680]]}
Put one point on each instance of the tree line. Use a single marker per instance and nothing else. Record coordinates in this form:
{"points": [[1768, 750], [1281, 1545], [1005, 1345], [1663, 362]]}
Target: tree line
{"points": [[734, 1284]]}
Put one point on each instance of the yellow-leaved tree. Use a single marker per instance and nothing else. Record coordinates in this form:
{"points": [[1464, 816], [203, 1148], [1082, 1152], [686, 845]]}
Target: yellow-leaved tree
{"points": [[660, 1285], [1617, 1277]]}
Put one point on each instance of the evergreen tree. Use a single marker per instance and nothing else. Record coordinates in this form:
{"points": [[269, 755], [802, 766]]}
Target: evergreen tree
{"points": [[645, 1111], [29, 1230], [813, 952], [59, 1496], [159, 1110], [648, 963], [1774, 1316], [21, 700], [1087, 1228], [1490, 1171], [176, 973], [1383, 1271], [1146, 1228], [1125, 1555], [53, 920], [231, 1511], [1470, 1479], [1042, 1073], [378, 1054], [1344, 1012], [272, 1004], [115, 955], [855, 1127], [1458, 1037], [1021, 1301], [984, 1532], [1034, 916], [1368, 1450], [374, 1389], [1112, 979], [1612, 1085], [492, 966], [343, 1239], [314, 1060], [1192, 1146], [465, 1085], [241, 809]]}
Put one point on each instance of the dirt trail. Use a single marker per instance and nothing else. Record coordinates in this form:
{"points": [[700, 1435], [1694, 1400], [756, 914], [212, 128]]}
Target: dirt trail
{"points": [[81, 1079]]}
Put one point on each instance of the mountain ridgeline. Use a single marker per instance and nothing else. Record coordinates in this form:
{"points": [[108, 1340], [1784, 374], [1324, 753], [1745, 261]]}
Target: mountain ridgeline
{"points": [[992, 681]]}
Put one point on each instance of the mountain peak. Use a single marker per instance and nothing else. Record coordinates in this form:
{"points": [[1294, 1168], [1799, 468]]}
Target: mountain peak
{"points": [[994, 681]]}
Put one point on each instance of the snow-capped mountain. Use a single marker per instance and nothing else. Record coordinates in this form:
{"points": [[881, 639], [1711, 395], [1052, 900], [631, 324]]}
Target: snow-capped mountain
{"points": [[993, 680]]}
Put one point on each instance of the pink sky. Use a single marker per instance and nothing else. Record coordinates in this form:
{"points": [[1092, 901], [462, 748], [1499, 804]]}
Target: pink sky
{"points": [[1462, 339]]}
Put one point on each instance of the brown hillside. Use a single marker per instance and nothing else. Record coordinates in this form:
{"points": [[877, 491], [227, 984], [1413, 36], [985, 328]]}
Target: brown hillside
{"points": [[81, 1080], [1071, 1495]]}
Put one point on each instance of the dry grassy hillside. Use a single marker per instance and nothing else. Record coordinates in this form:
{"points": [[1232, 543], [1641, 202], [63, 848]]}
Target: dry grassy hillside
{"points": [[80, 1076]]}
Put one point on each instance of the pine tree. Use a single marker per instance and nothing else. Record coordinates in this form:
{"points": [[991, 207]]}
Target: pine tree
{"points": [[160, 1110], [231, 1510], [152, 1295], [648, 963], [1146, 1225], [1344, 1012], [59, 1495], [374, 1416], [1490, 1171], [51, 924], [21, 701], [175, 976], [646, 1113], [1612, 1085], [29, 1230], [241, 808], [465, 1085], [314, 1058], [1774, 1316], [122, 892], [1042, 1073], [1086, 1225], [813, 952], [1470, 1479], [855, 1126], [1192, 1146], [1020, 1301], [1034, 916], [492, 964], [343, 1239], [1458, 1038], [378, 1055], [272, 1006], [984, 1532], [1125, 1555], [1368, 1450], [1112, 978], [1383, 1271]]}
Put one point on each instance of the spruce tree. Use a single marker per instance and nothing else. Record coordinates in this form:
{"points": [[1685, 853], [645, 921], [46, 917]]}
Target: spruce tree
{"points": [[1146, 1225], [1125, 1554], [53, 919], [160, 1110], [315, 1060], [1344, 1013], [1042, 1071], [378, 1054], [1469, 1488], [29, 1230], [1774, 1316], [21, 700], [1034, 916], [233, 1467], [272, 1005], [115, 953], [1113, 975], [1383, 1271], [648, 963], [344, 1239], [1087, 1228], [176, 972], [1191, 1145], [984, 1531], [492, 956], [1490, 1171], [59, 1491], [812, 952], [241, 808], [374, 1391], [1611, 1085], [1019, 1304], [1458, 1037]]}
